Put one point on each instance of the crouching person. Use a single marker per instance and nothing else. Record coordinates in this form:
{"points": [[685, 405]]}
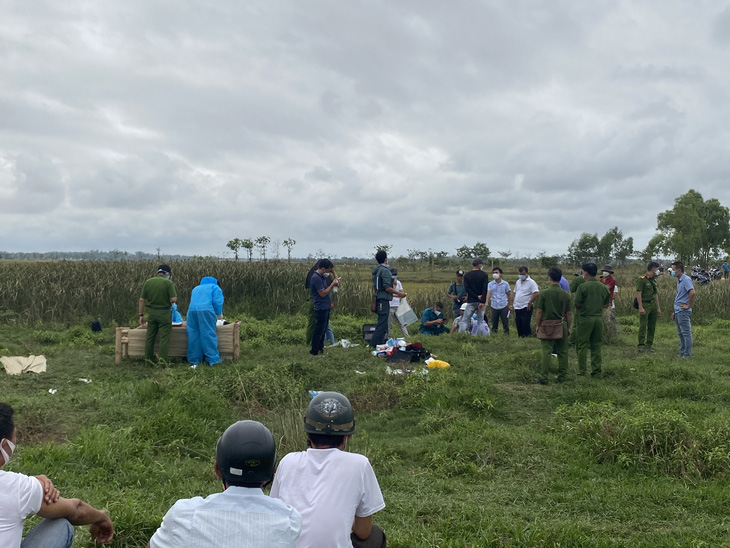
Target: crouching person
{"points": [[335, 491], [21, 496], [241, 515]]}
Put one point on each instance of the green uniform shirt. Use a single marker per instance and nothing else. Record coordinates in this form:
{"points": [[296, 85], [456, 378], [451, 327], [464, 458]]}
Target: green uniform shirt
{"points": [[550, 302], [575, 283], [382, 279], [648, 288], [157, 292], [590, 297]]}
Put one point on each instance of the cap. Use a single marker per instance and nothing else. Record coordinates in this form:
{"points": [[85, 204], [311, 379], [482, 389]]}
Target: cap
{"points": [[608, 268], [164, 268], [463, 306], [477, 262], [459, 272], [393, 271]]}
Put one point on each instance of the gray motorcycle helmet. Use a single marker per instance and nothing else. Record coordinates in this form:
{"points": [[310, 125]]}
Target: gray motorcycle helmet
{"points": [[246, 453], [329, 414]]}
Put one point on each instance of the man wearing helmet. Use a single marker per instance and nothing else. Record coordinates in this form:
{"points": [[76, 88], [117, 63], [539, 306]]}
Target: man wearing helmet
{"points": [[335, 491], [241, 515]]}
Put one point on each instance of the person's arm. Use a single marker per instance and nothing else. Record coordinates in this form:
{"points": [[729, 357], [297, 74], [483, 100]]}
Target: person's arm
{"points": [[641, 305], [538, 319], [362, 527], [658, 309], [569, 318], [80, 513], [534, 297], [395, 292], [488, 298], [324, 292], [50, 493]]}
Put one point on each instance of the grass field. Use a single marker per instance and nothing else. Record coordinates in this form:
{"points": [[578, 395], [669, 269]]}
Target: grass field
{"points": [[476, 455]]}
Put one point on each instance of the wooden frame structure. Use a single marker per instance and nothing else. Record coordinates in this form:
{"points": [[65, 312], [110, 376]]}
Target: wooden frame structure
{"points": [[131, 342]]}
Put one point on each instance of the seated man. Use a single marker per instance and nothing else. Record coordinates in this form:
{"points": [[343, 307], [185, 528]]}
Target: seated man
{"points": [[22, 495], [241, 515], [457, 319], [335, 491], [432, 320]]}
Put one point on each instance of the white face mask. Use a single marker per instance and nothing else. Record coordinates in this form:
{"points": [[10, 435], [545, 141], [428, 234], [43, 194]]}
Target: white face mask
{"points": [[495, 275], [437, 312], [605, 274], [6, 456]]}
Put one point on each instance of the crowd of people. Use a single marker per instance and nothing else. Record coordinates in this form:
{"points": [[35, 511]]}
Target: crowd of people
{"points": [[579, 305], [322, 497]]}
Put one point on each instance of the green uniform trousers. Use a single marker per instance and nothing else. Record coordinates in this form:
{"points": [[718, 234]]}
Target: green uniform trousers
{"points": [[158, 321], [590, 335], [647, 324], [562, 350]]}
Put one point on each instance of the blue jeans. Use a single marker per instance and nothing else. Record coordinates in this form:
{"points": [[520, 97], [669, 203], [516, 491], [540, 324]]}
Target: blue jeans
{"points": [[465, 324], [684, 330], [329, 335], [382, 309], [50, 533]]}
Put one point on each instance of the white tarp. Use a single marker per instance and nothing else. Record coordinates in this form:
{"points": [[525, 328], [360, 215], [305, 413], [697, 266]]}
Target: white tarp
{"points": [[15, 365]]}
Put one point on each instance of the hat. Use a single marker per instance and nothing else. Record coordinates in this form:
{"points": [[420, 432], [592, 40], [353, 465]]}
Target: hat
{"points": [[463, 306], [579, 273], [477, 262], [393, 271], [165, 269], [608, 268], [459, 272]]}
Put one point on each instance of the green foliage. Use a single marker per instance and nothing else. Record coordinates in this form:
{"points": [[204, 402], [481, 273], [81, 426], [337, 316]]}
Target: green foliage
{"points": [[479, 249], [695, 229], [584, 249]]}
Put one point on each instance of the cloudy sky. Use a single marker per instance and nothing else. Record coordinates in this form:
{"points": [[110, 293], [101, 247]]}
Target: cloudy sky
{"points": [[345, 124]]}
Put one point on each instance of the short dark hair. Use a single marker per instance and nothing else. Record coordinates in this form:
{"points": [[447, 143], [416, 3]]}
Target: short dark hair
{"points": [[321, 440], [438, 304], [522, 270], [590, 268], [679, 265], [652, 265], [6, 421], [497, 268], [554, 273], [381, 256], [325, 263], [477, 262]]}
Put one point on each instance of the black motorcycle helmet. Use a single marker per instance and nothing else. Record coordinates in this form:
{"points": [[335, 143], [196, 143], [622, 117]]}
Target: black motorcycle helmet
{"points": [[329, 414], [246, 453]]}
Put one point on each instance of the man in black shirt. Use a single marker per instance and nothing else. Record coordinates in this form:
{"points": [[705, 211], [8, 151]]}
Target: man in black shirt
{"points": [[475, 284]]}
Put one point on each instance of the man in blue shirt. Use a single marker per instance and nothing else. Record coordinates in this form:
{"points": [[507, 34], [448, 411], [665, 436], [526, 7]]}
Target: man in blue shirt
{"points": [[432, 320], [498, 297], [682, 313], [321, 290]]}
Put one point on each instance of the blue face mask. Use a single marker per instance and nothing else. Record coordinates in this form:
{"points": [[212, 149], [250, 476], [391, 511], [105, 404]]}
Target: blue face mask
{"points": [[673, 273], [522, 277]]}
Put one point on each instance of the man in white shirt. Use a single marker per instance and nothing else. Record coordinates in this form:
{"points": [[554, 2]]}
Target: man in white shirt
{"points": [[394, 304], [526, 293], [241, 516], [335, 491], [21, 496]]}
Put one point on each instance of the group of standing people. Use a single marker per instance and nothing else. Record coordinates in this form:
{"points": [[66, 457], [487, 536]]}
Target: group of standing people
{"points": [[159, 297]]}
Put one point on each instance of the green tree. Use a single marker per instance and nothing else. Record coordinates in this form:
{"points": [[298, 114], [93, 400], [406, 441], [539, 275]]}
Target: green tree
{"points": [[624, 251], [384, 247], [289, 243], [464, 252], [695, 229], [262, 243], [653, 248], [584, 249], [248, 245], [479, 249], [234, 245]]}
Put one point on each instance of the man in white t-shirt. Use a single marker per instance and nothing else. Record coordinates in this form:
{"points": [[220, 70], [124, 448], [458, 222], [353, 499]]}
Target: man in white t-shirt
{"points": [[394, 304], [242, 516], [21, 496], [335, 491], [526, 293]]}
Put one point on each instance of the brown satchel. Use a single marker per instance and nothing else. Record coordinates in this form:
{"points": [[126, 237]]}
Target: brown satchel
{"points": [[552, 330], [373, 305]]}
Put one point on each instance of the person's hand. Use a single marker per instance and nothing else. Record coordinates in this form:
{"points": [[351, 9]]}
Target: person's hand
{"points": [[401, 294], [7, 450], [481, 306], [684, 306], [642, 312], [658, 313], [50, 493], [672, 315], [103, 530], [142, 321]]}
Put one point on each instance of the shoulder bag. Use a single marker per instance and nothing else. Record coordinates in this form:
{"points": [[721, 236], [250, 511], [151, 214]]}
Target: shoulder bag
{"points": [[551, 330]]}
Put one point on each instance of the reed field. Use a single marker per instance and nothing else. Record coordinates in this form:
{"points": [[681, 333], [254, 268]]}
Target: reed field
{"points": [[477, 455]]}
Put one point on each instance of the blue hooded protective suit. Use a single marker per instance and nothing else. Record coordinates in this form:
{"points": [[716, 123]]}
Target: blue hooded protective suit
{"points": [[176, 317], [206, 302]]}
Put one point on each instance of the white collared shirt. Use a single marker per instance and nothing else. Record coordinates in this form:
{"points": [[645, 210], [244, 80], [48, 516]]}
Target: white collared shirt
{"points": [[523, 292], [239, 517], [20, 496]]}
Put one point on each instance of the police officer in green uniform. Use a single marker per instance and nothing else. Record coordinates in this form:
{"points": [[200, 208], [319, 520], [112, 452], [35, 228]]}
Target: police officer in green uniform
{"points": [[158, 293], [551, 303], [574, 284], [591, 298], [647, 299]]}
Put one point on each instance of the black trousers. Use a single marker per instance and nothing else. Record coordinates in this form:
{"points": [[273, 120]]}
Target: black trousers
{"points": [[382, 309], [321, 319], [523, 317], [500, 314]]}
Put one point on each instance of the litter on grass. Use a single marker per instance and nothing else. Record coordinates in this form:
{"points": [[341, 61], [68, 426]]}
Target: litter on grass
{"points": [[52, 390], [344, 343]]}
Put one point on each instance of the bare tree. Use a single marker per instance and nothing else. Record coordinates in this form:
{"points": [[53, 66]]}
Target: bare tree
{"points": [[288, 244]]}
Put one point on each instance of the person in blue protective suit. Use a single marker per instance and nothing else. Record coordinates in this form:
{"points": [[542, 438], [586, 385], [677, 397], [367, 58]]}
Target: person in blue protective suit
{"points": [[176, 316], [206, 305]]}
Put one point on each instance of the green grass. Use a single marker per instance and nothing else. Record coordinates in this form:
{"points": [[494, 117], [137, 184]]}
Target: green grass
{"points": [[476, 455]]}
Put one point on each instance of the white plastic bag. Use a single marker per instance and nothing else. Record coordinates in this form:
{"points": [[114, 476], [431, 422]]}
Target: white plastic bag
{"points": [[405, 314]]}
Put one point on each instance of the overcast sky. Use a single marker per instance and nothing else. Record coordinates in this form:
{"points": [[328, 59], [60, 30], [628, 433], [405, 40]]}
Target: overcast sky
{"points": [[345, 124]]}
